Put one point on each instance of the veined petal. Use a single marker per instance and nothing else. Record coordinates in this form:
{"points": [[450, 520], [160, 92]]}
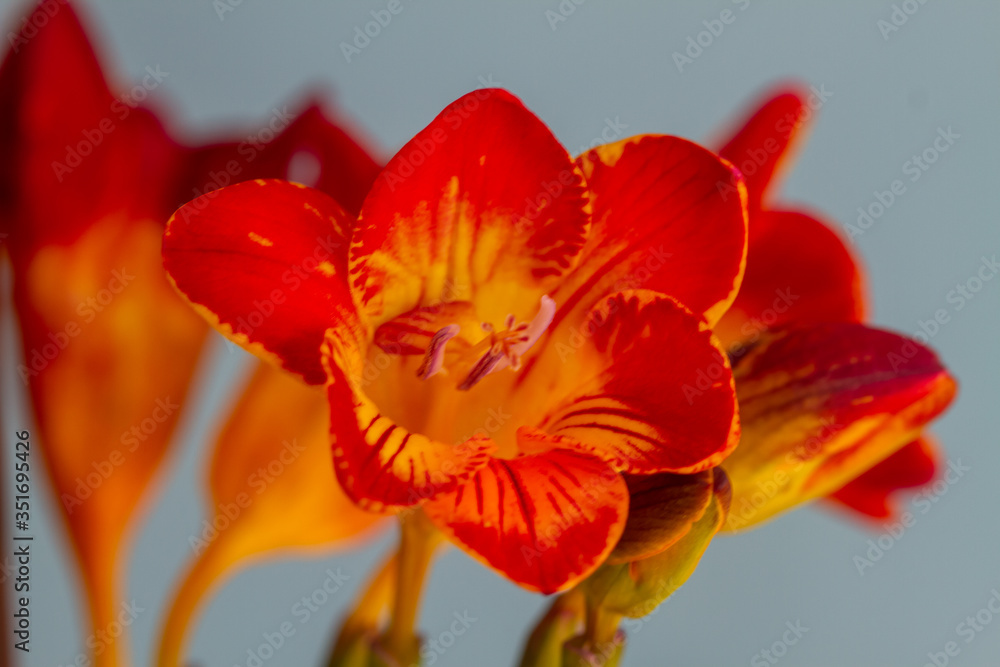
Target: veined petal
{"points": [[483, 205], [265, 263], [637, 588], [660, 223], [871, 493], [662, 509], [312, 149], [379, 463], [545, 521], [644, 383], [271, 479], [763, 144], [822, 405], [798, 272]]}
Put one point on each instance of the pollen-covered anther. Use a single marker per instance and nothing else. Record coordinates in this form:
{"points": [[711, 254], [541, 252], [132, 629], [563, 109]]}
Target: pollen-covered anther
{"points": [[507, 347]]}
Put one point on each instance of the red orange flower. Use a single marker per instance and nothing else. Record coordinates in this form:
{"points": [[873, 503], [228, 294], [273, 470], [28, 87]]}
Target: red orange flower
{"points": [[863, 395], [501, 330]]}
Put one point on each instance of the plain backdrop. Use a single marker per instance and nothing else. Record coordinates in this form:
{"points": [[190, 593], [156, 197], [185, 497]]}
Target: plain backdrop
{"points": [[613, 63]]}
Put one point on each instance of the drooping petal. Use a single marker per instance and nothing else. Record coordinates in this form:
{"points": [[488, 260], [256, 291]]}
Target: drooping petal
{"points": [[544, 521], [798, 272], [643, 383], [822, 405], [272, 489], [763, 144], [660, 223], [637, 588], [483, 205], [313, 149], [379, 463], [872, 493], [662, 509], [265, 263]]}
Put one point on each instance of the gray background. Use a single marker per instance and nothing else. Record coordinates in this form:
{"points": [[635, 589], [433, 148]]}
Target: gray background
{"points": [[613, 61]]}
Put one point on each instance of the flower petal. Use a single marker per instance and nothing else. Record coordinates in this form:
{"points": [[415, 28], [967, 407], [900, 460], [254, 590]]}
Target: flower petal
{"points": [[544, 521], [378, 462], [662, 509], [265, 263], [636, 589], [871, 493], [312, 149], [644, 383], [483, 205], [798, 272], [660, 223], [764, 143], [272, 486], [822, 405]]}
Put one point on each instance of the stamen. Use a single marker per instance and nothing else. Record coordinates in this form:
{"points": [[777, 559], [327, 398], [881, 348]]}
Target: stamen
{"points": [[508, 347], [433, 361]]}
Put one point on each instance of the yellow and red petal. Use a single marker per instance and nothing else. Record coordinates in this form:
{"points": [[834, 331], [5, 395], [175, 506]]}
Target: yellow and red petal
{"points": [[637, 588], [762, 144], [871, 494], [662, 509], [483, 205], [644, 384], [313, 149], [798, 272], [545, 521], [822, 405], [265, 263], [661, 223], [272, 489], [379, 463]]}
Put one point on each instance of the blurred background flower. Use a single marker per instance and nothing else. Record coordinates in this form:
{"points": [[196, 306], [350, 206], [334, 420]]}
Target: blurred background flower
{"points": [[680, 69]]}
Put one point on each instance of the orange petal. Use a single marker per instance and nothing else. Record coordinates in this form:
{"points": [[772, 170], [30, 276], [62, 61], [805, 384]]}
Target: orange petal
{"points": [[272, 489], [871, 493], [265, 263], [662, 509], [483, 205], [545, 521], [761, 145], [822, 405], [660, 223], [644, 384], [798, 272], [380, 463], [637, 588]]}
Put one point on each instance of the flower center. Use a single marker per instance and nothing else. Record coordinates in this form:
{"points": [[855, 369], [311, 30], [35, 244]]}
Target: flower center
{"points": [[497, 351]]}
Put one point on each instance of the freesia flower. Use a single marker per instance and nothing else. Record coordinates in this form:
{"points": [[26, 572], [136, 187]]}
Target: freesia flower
{"points": [[847, 421], [501, 331], [109, 349]]}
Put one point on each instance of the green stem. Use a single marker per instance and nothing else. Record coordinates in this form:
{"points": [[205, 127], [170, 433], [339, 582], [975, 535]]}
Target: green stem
{"points": [[360, 627], [418, 541]]}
